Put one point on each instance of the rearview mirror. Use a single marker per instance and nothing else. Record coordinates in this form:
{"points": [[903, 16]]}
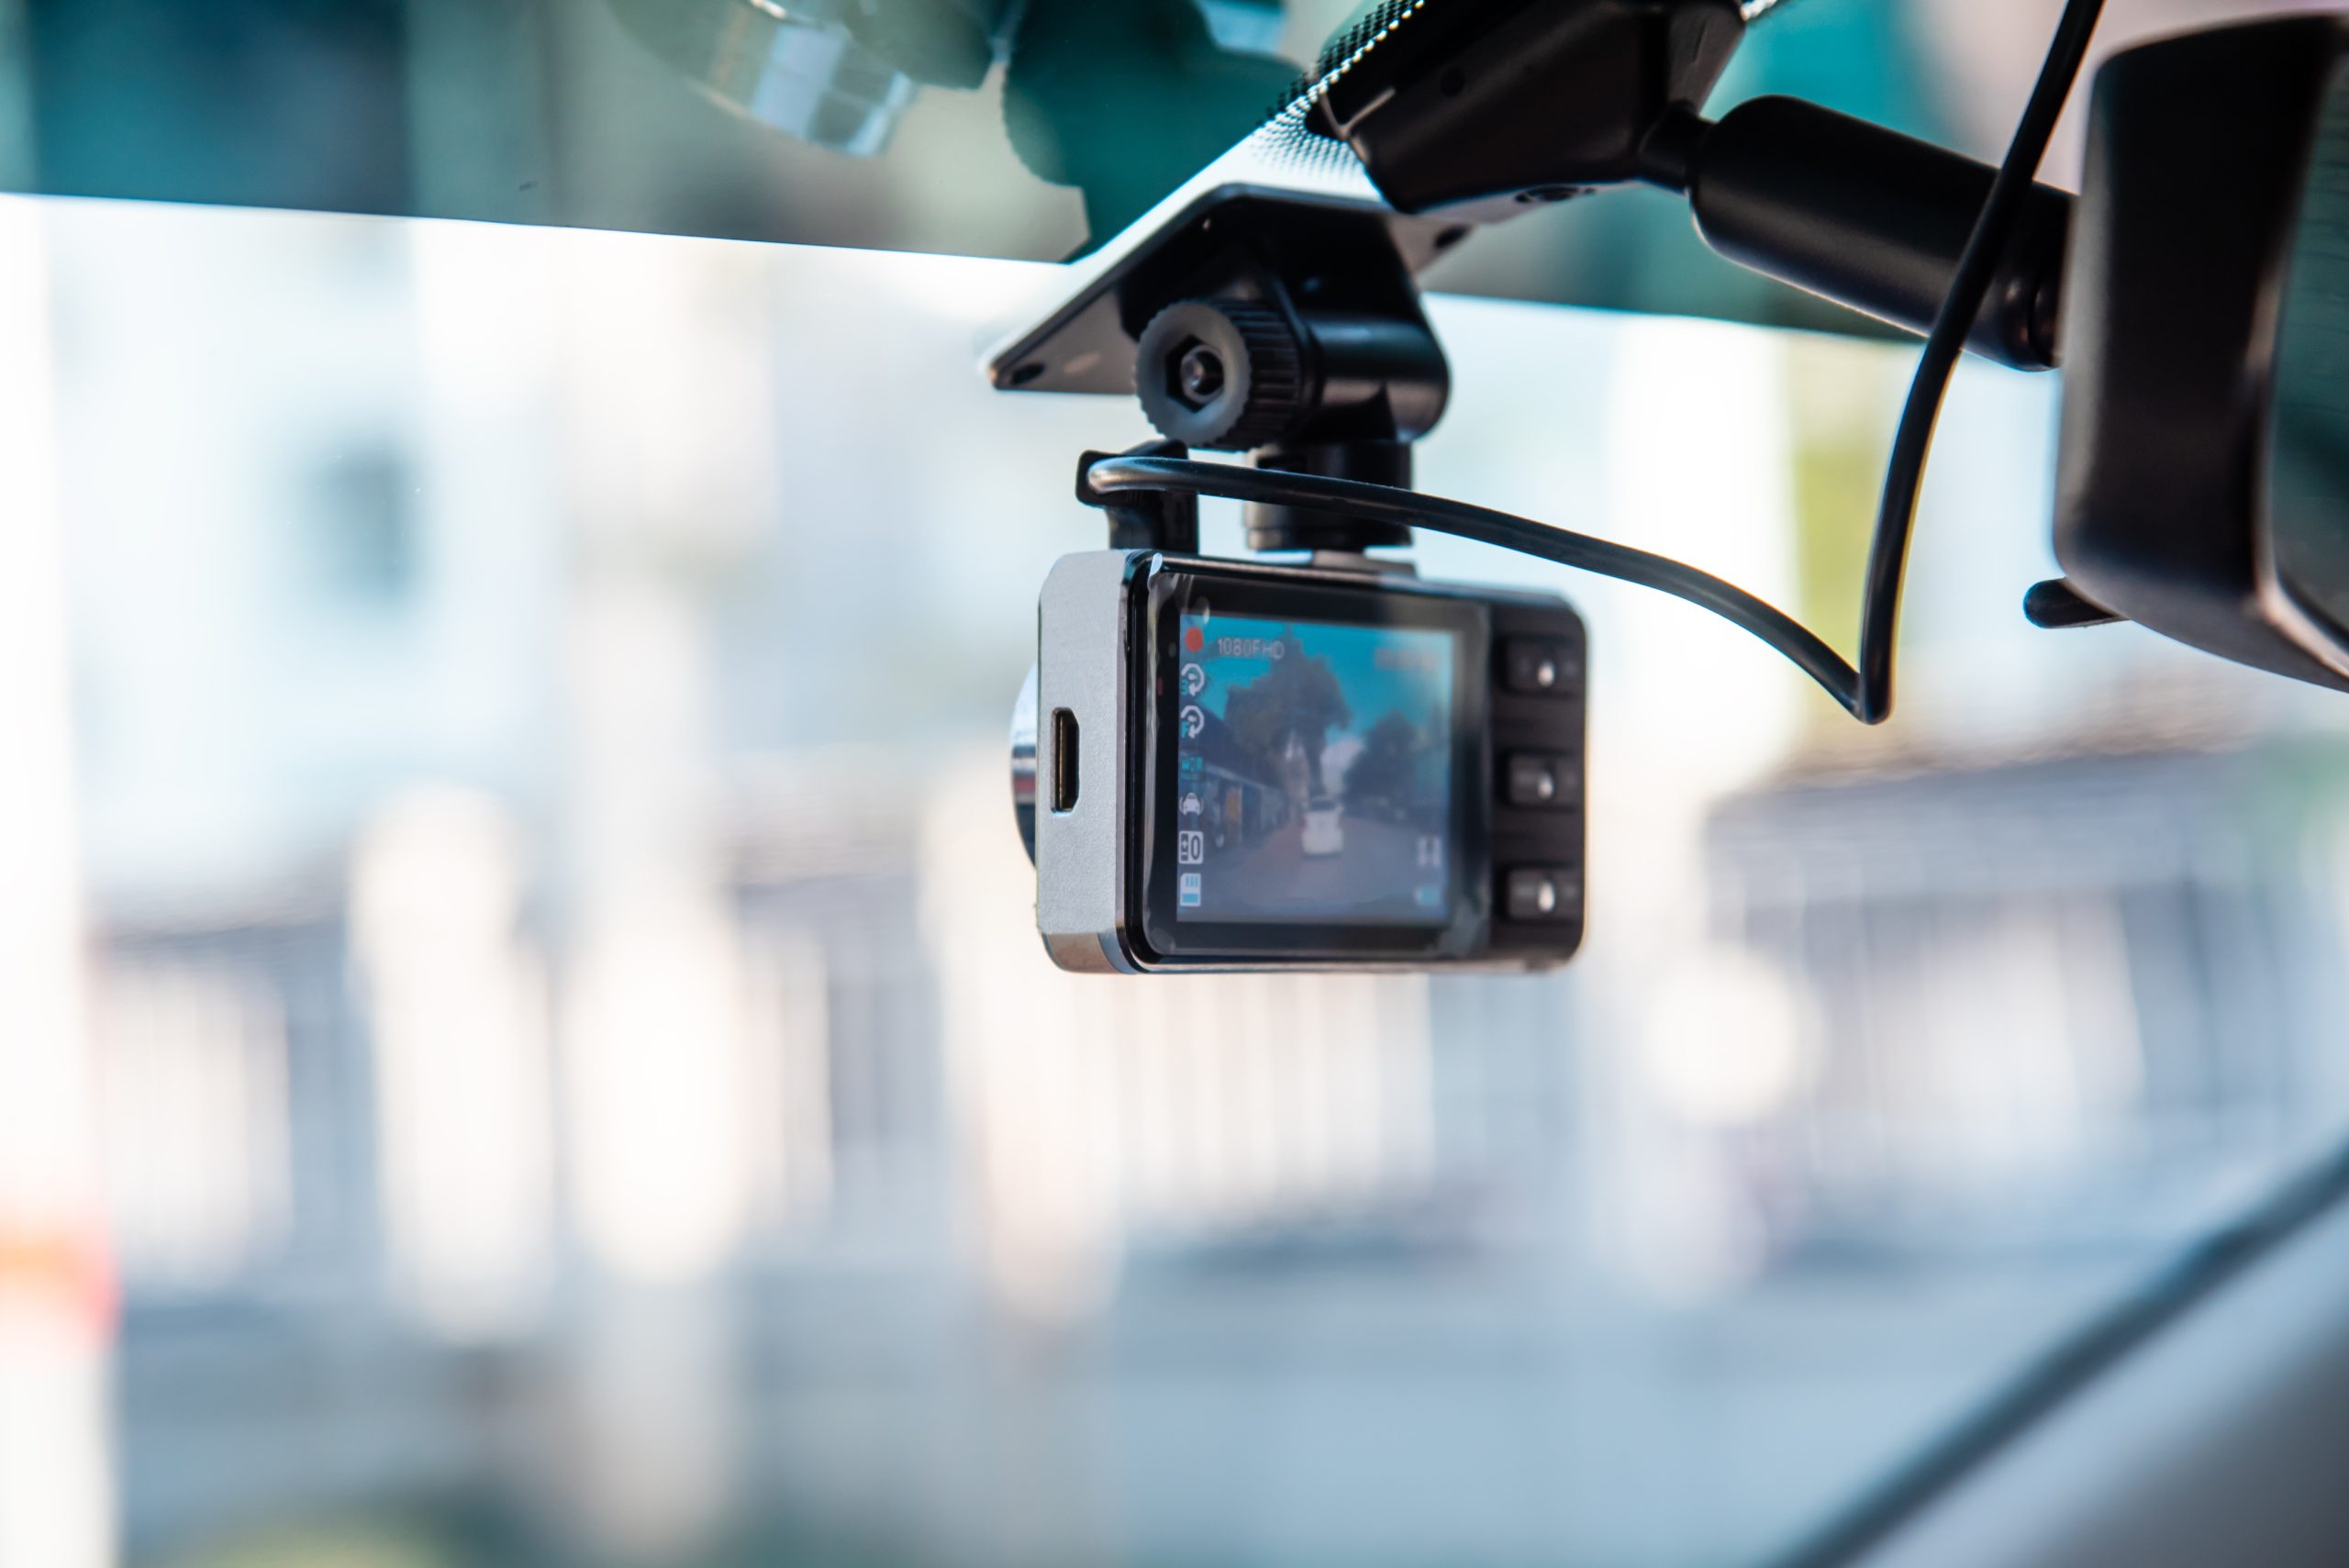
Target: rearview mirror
{"points": [[2203, 485]]}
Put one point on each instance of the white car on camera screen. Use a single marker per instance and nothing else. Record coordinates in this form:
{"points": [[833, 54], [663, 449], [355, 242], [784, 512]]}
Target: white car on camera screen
{"points": [[1325, 832]]}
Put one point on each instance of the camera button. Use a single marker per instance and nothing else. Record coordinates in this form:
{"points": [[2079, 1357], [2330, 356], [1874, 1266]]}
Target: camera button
{"points": [[1539, 894], [1538, 666], [1540, 779]]}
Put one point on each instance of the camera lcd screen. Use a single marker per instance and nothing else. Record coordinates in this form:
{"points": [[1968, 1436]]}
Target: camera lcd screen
{"points": [[1314, 771]]}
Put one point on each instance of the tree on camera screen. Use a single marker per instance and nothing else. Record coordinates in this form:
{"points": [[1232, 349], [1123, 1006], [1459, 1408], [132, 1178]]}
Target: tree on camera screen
{"points": [[1313, 779]]}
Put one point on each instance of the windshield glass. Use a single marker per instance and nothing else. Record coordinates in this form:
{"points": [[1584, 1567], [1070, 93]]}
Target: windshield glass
{"points": [[1017, 128], [523, 1038]]}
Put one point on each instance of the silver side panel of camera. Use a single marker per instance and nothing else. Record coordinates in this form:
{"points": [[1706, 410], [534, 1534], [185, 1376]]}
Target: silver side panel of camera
{"points": [[1082, 669]]}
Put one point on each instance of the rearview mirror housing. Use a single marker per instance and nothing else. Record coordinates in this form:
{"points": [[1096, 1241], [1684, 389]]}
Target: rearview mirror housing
{"points": [[2204, 481]]}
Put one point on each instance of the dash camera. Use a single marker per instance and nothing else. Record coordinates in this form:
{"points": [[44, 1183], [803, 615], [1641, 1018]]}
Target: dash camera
{"points": [[1250, 766], [1272, 766]]}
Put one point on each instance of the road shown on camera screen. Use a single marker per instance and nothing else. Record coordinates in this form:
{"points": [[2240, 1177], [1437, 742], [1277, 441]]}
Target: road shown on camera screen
{"points": [[1314, 773]]}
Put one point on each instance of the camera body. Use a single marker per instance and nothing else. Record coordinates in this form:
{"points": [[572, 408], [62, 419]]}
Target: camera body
{"points": [[1241, 766]]}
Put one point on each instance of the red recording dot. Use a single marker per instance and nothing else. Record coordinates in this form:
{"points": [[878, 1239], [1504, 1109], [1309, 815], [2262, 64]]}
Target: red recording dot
{"points": [[1194, 640]]}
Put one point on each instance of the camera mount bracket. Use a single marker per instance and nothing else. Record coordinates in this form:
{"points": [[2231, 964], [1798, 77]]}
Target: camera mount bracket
{"points": [[1269, 323]]}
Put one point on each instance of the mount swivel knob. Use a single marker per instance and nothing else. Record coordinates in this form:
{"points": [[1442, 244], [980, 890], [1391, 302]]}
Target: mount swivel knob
{"points": [[1224, 374]]}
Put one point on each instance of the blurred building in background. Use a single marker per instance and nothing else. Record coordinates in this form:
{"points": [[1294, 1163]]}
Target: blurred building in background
{"points": [[576, 1079]]}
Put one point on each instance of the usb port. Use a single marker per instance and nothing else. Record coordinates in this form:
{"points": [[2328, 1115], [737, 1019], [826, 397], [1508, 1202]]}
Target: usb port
{"points": [[1064, 760]]}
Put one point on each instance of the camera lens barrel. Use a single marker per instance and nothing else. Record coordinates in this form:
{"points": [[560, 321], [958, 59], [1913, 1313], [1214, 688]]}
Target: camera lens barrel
{"points": [[1232, 375], [1223, 375]]}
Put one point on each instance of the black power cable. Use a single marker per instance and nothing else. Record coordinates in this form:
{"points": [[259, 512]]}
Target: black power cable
{"points": [[1357, 498], [1912, 441], [1864, 692]]}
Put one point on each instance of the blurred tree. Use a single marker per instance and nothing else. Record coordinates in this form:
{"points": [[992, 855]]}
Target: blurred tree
{"points": [[1297, 701], [1385, 779]]}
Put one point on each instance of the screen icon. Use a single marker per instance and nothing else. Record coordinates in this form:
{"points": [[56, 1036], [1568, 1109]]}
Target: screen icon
{"points": [[1193, 765], [1432, 850], [1189, 887], [1191, 806], [1190, 847], [1429, 896], [1195, 719], [1195, 680]]}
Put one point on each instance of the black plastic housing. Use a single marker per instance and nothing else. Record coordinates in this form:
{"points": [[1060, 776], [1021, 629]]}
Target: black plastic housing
{"points": [[1479, 108], [1502, 713], [2199, 155], [1112, 651]]}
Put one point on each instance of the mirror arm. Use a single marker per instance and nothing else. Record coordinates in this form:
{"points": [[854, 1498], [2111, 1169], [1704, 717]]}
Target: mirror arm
{"points": [[1864, 216]]}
